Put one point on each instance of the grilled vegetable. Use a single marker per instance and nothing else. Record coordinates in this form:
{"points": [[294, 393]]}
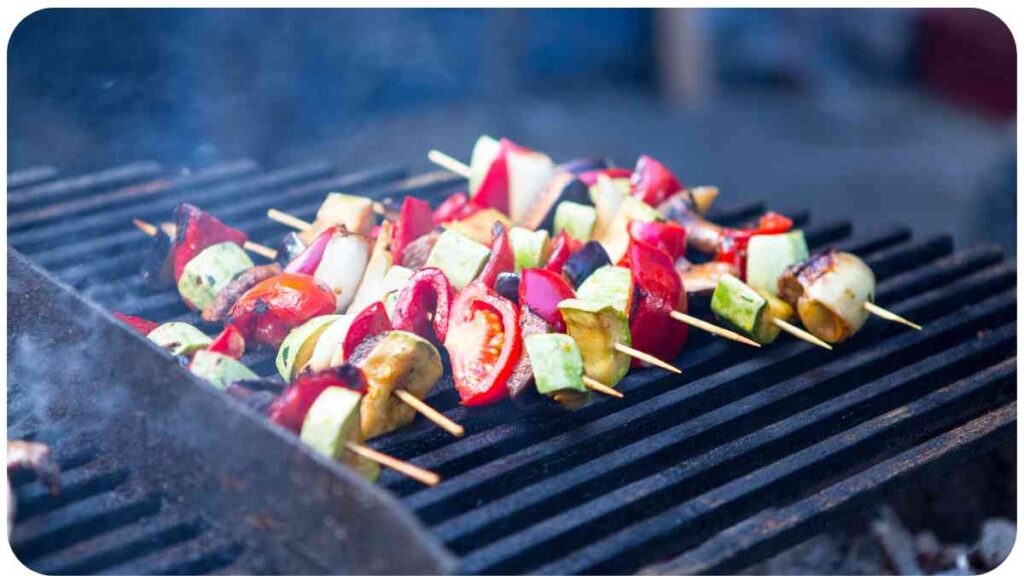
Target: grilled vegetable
{"points": [[373, 287], [310, 258], [562, 247], [507, 286], [423, 305], [219, 369], [830, 290], [583, 262], [748, 310], [658, 291], [355, 213], [217, 311], [340, 339], [297, 348], [479, 227], [615, 237], [455, 207], [530, 247], [703, 278], [564, 187], [195, 232], [395, 279], [684, 208], [732, 243], [520, 380], [557, 368], [488, 179], [577, 219], [483, 344], [460, 258], [612, 285], [540, 291], [342, 266], [331, 423], [502, 259], [529, 174], [667, 236], [289, 248], [290, 408], [415, 219], [179, 338], [597, 327], [204, 276], [158, 264], [618, 177], [271, 309], [652, 182], [140, 325], [607, 198], [397, 360], [229, 342], [768, 256]]}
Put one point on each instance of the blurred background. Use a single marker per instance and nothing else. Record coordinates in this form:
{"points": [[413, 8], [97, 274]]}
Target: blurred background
{"points": [[871, 115]]}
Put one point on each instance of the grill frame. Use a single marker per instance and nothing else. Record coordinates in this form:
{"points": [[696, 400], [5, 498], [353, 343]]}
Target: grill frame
{"points": [[516, 522]]}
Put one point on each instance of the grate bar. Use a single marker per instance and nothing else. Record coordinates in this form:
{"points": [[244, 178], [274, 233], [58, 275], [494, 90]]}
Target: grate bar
{"points": [[29, 176], [61, 189]]}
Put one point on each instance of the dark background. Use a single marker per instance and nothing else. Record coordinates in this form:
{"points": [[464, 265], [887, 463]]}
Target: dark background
{"points": [[870, 115]]}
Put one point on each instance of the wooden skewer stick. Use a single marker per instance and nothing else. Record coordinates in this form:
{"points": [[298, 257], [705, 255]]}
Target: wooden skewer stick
{"points": [[598, 387], [288, 220], [645, 357], [801, 334], [448, 163], [890, 316], [430, 413], [709, 327], [412, 471], [150, 230]]}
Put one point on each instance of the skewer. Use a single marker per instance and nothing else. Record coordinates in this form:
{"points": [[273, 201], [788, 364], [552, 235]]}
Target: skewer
{"points": [[801, 334], [265, 251], [645, 357], [448, 163], [890, 316], [598, 387], [303, 226], [430, 413], [709, 327], [412, 471]]}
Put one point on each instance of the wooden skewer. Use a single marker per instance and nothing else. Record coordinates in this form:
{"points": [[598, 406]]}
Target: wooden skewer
{"points": [[709, 327], [645, 357], [801, 334], [598, 387], [430, 413], [448, 163], [412, 471], [288, 220], [266, 251], [890, 316]]}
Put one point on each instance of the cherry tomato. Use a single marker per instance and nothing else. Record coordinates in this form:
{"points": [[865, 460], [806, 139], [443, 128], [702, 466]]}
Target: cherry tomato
{"points": [[541, 291], [290, 408], [424, 304], [271, 309], [652, 182], [140, 325], [197, 230], [484, 348], [414, 220], [229, 342], [502, 259]]}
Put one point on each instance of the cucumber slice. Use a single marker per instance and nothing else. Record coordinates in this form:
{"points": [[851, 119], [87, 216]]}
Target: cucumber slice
{"points": [[460, 258], [611, 285], [530, 247], [557, 363], [205, 275], [297, 347], [576, 219], [596, 328], [179, 338], [219, 369], [331, 423], [738, 304], [769, 255]]}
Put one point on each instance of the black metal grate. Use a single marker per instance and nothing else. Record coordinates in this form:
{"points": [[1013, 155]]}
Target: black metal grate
{"points": [[746, 452]]}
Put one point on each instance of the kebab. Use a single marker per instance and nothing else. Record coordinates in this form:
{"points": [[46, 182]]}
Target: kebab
{"points": [[325, 408]]}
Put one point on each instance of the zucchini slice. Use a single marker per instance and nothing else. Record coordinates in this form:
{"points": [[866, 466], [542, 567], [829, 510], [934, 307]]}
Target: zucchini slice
{"points": [[331, 423], [597, 327], [219, 369], [179, 338]]}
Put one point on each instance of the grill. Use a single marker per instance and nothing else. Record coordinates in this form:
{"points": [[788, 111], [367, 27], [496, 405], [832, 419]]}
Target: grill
{"points": [[745, 454]]}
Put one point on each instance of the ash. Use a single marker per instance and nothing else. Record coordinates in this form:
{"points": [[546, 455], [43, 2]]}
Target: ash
{"points": [[960, 523]]}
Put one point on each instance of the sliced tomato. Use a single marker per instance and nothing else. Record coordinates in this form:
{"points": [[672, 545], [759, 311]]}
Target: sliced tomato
{"points": [[229, 342], [271, 309], [541, 290], [484, 348], [140, 325]]}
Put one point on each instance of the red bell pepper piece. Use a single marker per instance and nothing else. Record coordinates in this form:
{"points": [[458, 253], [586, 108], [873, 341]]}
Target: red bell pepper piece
{"points": [[371, 321], [140, 325], [590, 177], [541, 290], [455, 207], [669, 236], [414, 220], [308, 261], [229, 342], [652, 182], [502, 259], [290, 408], [427, 293], [562, 247], [733, 242], [657, 291], [271, 309], [494, 188], [197, 230], [484, 346]]}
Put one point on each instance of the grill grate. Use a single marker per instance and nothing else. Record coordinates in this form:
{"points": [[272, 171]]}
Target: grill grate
{"points": [[746, 452]]}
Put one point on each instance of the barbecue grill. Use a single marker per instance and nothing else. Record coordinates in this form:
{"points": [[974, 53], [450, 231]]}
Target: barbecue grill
{"points": [[744, 454]]}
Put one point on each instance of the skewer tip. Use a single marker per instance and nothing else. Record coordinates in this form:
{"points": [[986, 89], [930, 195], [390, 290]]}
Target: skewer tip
{"points": [[596, 386], [645, 357]]}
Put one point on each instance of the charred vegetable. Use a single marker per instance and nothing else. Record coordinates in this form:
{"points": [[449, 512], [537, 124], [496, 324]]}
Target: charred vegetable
{"points": [[582, 263], [297, 348], [195, 231], [748, 310], [220, 370], [290, 408], [179, 338], [597, 327], [331, 423], [830, 290], [273, 308], [557, 368], [204, 276]]}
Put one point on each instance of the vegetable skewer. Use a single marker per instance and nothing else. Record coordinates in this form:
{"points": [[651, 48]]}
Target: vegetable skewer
{"points": [[448, 163], [265, 251]]}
